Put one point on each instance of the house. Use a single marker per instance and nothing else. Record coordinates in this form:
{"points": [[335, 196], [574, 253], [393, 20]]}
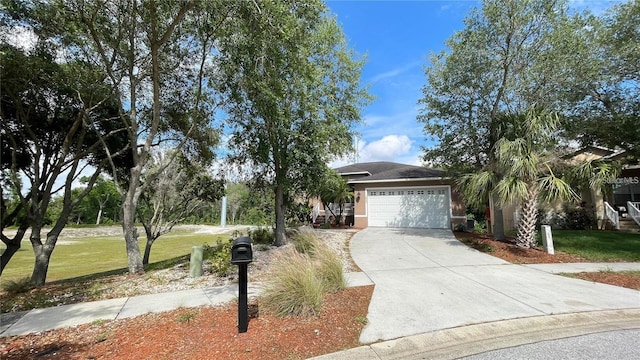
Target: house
{"points": [[389, 194], [621, 206]]}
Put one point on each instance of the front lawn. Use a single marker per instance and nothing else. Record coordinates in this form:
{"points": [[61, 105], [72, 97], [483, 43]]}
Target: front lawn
{"points": [[598, 245]]}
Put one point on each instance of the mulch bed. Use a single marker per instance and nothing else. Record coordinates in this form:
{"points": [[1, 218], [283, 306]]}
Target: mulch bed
{"points": [[204, 333]]}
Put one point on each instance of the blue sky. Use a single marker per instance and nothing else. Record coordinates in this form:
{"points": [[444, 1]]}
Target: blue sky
{"points": [[397, 38]]}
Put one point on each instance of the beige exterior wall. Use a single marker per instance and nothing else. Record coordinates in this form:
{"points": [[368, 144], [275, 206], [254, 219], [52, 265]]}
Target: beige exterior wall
{"points": [[458, 210]]}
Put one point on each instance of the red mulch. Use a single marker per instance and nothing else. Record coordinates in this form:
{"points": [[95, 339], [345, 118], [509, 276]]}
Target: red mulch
{"points": [[204, 333]]}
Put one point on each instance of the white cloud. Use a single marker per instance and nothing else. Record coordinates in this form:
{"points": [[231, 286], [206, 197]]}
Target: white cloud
{"points": [[395, 72], [387, 148]]}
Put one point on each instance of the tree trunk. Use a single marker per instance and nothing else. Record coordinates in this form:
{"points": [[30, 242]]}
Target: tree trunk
{"points": [[13, 245], [99, 216], [497, 223], [280, 210], [147, 251], [525, 237], [147, 247], [134, 260], [42, 254]]}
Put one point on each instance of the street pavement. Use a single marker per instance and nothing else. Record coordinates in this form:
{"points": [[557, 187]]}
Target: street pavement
{"points": [[612, 345]]}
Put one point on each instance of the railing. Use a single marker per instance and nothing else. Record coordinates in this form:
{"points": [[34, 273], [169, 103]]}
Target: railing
{"points": [[612, 215], [633, 209], [347, 208]]}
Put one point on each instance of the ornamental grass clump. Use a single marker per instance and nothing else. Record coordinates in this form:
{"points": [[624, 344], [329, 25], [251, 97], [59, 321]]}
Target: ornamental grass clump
{"points": [[305, 241], [329, 268], [304, 273]]}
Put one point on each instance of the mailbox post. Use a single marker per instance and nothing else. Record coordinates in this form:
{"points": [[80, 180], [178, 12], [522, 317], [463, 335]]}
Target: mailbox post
{"points": [[242, 255]]}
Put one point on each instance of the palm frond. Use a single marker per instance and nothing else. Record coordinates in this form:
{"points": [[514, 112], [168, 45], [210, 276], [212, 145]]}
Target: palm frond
{"points": [[553, 188], [511, 190], [476, 187]]}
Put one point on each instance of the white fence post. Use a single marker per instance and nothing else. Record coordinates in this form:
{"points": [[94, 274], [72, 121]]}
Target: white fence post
{"points": [[547, 239]]}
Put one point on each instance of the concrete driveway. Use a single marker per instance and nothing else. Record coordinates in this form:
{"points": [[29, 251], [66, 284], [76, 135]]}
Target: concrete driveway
{"points": [[426, 280]]}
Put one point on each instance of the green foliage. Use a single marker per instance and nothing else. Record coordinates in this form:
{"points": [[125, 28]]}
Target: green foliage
{"points": [[261, 235], [577, 218], [186, 316], [256, 216], [291, 89], [504, 60], [459, 227], [605, 103], [219, 256], [480, 227], [18, 286]]}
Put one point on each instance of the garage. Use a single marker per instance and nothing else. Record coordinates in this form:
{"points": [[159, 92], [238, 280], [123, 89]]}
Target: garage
{"points": [[407, 207]]}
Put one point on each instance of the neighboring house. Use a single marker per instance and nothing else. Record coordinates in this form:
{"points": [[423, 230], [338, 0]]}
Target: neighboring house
{"points": [[389, 194], [624, 198]]}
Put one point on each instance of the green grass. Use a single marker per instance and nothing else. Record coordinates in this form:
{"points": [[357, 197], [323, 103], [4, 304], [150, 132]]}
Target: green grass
{"points": [[597, 245], [91, 255]]}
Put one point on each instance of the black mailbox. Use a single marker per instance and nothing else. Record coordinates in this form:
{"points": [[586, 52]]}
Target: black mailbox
{"points": [[241, 251]]}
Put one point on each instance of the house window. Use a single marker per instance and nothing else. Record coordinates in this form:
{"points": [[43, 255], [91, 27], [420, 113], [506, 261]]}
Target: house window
{"points": [[420, 192], [441, 192], [382, 193], [400, 192], [410, 192], [430, 192], [373, 193], [391, 193]]}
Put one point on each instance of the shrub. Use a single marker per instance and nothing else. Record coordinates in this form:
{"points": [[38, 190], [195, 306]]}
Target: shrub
{"points": [[19, 286], [459, 227], [262, 235], [255, 216], [480, 227], [577, 218], [219, 256], [305, 241], [295, 288]]}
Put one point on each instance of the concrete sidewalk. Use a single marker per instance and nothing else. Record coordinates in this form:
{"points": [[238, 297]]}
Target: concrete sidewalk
{"points": [[83, 313]]}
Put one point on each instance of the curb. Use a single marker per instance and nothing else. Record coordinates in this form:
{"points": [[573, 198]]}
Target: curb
{"points": [[469, 340]]}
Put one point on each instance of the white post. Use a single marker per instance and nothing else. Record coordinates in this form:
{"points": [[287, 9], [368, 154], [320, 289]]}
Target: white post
{"points": [[547, 239], [223, 212]]}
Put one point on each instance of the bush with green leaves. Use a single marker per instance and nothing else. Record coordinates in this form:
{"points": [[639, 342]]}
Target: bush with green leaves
{"points": [[219, 256], [480, 227], [577, 218], [262, 235]]}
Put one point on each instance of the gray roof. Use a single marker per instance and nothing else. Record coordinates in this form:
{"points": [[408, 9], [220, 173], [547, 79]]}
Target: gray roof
{"points": [[384, 170]]}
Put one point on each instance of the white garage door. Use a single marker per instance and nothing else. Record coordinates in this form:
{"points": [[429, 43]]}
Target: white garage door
{"points": [[422, 207]]}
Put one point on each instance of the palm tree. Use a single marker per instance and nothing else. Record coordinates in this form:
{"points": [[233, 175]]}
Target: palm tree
{"points": [[526, 168], [333, 189]]}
